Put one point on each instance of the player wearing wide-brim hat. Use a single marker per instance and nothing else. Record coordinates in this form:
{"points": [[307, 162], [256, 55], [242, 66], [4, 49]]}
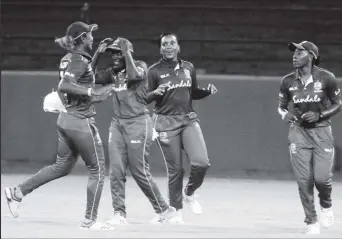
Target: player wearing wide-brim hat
{"points": [[315, 97], [77, 132]]}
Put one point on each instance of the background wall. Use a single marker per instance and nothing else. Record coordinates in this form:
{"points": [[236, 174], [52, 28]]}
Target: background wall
{"points": [[242, 129]]}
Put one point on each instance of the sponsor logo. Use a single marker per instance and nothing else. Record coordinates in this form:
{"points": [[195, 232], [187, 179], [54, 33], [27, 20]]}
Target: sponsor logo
{"points": [[165, 75], [318, 86], [163, 137], [187, 74], [293, 148], [121, 87], [281, 95], [69, 74], [63, 64], [179, 85], [337, 92], [136, 141], [328, 150], [293, 88], [307, 99]]}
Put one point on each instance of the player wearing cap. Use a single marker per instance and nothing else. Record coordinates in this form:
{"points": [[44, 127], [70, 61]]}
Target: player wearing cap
{"points": [[172, 84], [76, 129], [130, 133], [315, 97]]}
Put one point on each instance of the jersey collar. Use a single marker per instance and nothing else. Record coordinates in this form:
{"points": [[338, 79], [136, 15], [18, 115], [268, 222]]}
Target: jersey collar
{"points": [[315, 74], [85, 54], [175, 64]]}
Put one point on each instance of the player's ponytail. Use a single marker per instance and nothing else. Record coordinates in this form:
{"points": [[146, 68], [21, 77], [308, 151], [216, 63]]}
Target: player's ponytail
{"points": [[66, 42]]}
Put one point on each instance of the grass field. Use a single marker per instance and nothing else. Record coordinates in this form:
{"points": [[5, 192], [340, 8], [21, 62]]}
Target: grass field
{"points": [[231, 208]]}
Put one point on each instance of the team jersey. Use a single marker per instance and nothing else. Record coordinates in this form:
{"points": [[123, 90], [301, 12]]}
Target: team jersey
{"points": [[129, 94], [181, 80], [75, 67], [316, 95]]}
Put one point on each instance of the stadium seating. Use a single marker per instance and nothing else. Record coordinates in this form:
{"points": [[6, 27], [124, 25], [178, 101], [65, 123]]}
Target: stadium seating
{"points": [[220, 36]]}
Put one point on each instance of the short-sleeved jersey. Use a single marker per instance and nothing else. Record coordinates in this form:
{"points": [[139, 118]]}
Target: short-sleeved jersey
{"points": [[129, 95], [316, 95], [180, 78], [75, 67]]}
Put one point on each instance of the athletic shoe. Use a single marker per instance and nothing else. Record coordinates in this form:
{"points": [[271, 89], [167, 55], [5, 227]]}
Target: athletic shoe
{"points": [[13, 201], [178, 219], [96, 226], [195, 207], [117, 219], [313, 229], [327, 217], [165, 216]]}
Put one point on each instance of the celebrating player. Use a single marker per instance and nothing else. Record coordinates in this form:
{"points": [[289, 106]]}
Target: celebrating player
{"points": [[76, 129], [172, 84], [130, 134], [315, 96]]}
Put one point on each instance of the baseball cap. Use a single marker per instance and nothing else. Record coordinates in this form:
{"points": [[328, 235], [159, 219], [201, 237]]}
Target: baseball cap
{"points": [[77, 29], [305, 45], [115, 45]]}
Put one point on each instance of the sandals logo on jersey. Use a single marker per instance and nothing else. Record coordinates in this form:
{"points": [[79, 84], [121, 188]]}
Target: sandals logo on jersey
{"points": [[179, 85], [307, 99], [317, 87]]}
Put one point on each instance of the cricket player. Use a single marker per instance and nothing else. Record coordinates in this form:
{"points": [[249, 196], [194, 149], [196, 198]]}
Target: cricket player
{"points": [[76, 129], [315, 97], [130, 133], [172, 84]]}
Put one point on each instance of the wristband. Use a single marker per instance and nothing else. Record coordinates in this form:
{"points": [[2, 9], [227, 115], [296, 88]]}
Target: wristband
{"points": [[89, 91]]}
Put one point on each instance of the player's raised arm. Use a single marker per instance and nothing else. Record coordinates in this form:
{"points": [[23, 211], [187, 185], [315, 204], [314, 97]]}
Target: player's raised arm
{"points": [[136, 70], [101, 48]]}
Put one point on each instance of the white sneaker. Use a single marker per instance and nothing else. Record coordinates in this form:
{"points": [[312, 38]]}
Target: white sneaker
{"points": [[117, 219], [327, 217], [164, 217], [12, 201], [157, 219], [313, 229], [177, 219], [96, 226], [195, 207]]}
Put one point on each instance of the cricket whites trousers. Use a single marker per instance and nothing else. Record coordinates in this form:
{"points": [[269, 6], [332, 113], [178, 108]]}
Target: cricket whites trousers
{"points": [[312, 157], [76, 137], [129, 145]]}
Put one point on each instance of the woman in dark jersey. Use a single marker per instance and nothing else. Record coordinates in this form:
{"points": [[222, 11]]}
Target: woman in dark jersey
{"points": [[172, 84], [130, 133], [308, 98], [76, 129]]}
